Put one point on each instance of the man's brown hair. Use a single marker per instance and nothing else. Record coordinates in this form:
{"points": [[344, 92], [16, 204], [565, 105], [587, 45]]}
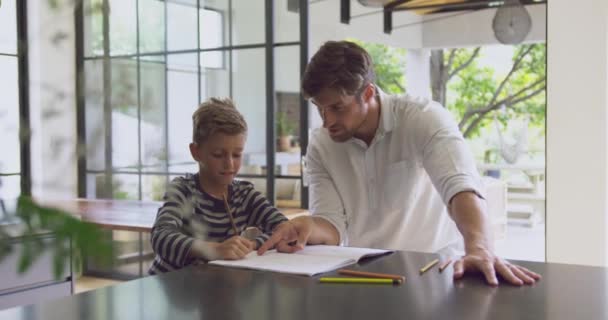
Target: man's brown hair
{"points": [[216, 115], [340, 65]]}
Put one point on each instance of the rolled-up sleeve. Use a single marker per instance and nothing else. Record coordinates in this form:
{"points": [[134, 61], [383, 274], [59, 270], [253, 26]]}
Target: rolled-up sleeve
{"points": [[325, 201], [446, 155]]}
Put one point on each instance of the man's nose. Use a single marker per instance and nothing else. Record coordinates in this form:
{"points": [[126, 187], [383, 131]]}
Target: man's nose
{"points": [[328, 119]]}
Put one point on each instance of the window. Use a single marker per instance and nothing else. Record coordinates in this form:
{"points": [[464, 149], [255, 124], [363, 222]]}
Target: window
{"points": [[14, 163], [147, 65]]}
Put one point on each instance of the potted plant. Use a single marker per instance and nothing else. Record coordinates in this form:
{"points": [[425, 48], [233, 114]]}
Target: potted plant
{"points": [[285, 129]]}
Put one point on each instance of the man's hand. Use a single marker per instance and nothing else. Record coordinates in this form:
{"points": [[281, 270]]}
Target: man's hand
{"points": [[234, 248], [482, 260], [297, 230]]}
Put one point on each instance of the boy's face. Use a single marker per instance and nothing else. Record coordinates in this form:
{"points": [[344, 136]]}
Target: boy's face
{"points": [[342, 115], [219, 157]]}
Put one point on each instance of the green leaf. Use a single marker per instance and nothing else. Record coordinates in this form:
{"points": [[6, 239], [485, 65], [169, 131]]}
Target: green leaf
{"points": [[69, 237]]}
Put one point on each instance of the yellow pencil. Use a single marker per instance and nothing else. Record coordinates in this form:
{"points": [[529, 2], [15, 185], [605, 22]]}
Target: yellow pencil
{"points": [[359, 280], [428, 266]]}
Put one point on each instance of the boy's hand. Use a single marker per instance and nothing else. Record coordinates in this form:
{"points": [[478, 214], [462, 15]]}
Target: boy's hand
{"points": [[234, 248]]}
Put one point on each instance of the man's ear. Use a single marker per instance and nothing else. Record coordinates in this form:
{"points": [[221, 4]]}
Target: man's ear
{"points": [[369, 92], [194, 151]]}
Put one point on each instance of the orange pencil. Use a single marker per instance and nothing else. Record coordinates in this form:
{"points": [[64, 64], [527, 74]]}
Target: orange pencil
{"points": [[445, 265], [371, 274]]}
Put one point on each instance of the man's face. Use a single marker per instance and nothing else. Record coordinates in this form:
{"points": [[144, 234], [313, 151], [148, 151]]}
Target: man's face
{"points": [[342, 114]]}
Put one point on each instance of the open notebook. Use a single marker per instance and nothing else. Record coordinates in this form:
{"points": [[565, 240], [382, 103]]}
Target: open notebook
{"points": [[309, 261]]}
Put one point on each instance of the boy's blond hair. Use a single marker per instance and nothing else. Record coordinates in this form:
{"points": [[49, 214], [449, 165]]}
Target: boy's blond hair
{"points": [[216, 115]]}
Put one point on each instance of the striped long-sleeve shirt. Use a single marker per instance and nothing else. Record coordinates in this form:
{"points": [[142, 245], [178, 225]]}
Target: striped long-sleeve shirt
{"points": [[190, 213]]}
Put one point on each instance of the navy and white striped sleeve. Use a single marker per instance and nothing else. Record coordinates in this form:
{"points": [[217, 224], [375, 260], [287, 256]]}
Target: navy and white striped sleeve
{"points": [[169, 240], [263, 214]]}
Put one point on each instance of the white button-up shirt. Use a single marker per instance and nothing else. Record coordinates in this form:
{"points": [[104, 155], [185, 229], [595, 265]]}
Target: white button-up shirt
{"points": [[393, 194]]}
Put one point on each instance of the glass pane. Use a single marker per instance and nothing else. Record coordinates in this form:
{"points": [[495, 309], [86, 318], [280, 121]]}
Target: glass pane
{"points": [[287, 99], [9, 115], [184, 167], [213, 59], [248, 22], [259, 184], [10, 187], [153, 187], [8, 27], [286, 21], [182, 99], [123, 27], [153, 149], [288, 193], [125, 186], [94, 115], [94, 186], [181, 26], [249, 87], [151, 26], [215, 82], [127, 258], [93, 27], [125, 121], [212, 25]]}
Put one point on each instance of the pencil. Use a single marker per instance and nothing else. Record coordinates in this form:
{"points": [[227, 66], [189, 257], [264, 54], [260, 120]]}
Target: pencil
{"points": [[370, 274], [428, 266], [445, 265], [229, 213], [359, 280]]}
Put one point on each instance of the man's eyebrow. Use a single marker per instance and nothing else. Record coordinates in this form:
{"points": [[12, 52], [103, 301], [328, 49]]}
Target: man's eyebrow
{"points": [[336, 104]]}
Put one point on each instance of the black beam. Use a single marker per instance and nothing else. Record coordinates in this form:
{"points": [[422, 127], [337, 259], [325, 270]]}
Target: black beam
{"points": [[388, 20], [24, 98], [270, 107], [138, 75], [166, 102], [80, 101], [345, 11], [303, 102], [107, 101]]}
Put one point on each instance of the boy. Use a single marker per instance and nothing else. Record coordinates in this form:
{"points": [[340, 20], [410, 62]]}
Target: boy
{"points": [[204, 213]]}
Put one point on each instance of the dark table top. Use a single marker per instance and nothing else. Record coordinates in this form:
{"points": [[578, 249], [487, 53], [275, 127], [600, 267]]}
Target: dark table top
{"points": [[210, 292]]}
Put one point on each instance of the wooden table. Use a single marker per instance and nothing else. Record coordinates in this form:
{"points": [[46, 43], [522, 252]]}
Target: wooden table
{"points": [[209, 292], [125, 215]]}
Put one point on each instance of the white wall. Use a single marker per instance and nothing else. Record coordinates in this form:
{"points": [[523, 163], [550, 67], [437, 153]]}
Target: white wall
{"points": [[52, 99], [577, 101], [417, 72], [475, 28]]}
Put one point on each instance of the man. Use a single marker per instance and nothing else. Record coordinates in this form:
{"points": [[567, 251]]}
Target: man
{"points": [[384, 169]]}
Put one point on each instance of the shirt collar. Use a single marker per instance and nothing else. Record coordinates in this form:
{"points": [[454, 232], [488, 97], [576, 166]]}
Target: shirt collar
{"points": [[387, 118]]}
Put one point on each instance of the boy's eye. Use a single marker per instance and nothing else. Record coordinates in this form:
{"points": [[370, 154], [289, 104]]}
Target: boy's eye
{"points": [[217, 155], [236, 155]]}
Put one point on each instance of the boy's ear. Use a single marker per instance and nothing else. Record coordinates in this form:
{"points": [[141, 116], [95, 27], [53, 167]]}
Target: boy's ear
{"points": [[194, 151]]}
